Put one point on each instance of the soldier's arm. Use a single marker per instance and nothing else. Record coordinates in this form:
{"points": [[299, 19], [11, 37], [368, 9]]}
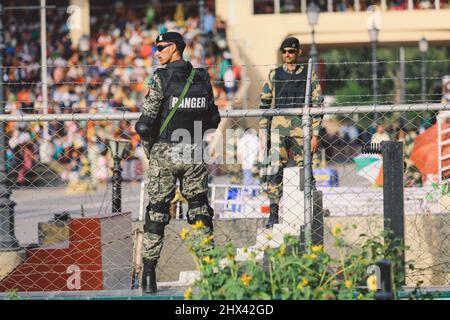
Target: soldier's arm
{"points": [[146, 125], [266, 96], [153, 98], [316, 101]]}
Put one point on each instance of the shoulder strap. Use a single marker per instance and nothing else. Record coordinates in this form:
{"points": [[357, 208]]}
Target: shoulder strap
{"points": [[180, 99]]}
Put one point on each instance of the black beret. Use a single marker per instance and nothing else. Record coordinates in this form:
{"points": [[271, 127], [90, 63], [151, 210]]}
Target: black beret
{"points": [[290, 42], [170, 37]]}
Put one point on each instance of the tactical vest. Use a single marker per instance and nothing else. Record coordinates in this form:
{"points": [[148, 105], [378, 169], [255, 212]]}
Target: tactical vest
{"points": [[192, 109], [289, 88]]}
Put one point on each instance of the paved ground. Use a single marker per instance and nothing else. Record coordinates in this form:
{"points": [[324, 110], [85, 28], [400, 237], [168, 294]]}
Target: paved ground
{"points": [[164, 293], [36, 205]]}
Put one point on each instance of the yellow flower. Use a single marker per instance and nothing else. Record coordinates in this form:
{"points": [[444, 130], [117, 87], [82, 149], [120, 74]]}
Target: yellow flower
{"points": [[205, 241], [208, 260], [269, 237], [188, 294], [198, 225], [372, 283], [348, 284], [317, 248], [312, 256], [336, 230], [282, 250], [184, 233], [303, 283], [246, 279], [230, 257]]}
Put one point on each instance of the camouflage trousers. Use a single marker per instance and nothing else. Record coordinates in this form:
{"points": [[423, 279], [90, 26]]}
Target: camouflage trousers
{"points": [[167, 165], [282, 148]]}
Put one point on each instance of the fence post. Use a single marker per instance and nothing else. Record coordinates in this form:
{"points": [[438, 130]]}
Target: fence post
{"points": [[393, 200], [307, 160], [8, 240], [385, 289]]}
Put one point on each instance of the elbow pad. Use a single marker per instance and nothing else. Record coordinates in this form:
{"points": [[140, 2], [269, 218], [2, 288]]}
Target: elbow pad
{"points": [[144, 127], [215, 120]]}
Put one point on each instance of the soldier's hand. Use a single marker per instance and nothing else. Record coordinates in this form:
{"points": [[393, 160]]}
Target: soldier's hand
{"points": [[314, 144]]}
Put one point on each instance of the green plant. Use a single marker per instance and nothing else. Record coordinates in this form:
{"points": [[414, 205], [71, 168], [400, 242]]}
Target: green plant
{"points": [[12, 295], [288, 273]]}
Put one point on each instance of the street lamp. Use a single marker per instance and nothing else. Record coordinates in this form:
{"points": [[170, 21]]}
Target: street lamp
{"points": [[312, 13], [373, 32], [117, 147], [423, 47]]}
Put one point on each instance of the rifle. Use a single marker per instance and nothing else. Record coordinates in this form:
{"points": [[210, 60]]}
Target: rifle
{"points": [[266, 161], [139, 233]]}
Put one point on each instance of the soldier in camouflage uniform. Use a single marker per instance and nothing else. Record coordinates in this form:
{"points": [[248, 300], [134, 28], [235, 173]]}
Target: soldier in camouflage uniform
{"points": [[169, 158], [286, 89]]}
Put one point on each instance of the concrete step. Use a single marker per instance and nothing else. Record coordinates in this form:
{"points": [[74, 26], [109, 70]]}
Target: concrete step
{"points": [[243, 254]]}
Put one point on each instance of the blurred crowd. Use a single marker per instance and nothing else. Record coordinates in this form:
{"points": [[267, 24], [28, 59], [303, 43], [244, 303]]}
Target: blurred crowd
{"points": [[110, 76]]}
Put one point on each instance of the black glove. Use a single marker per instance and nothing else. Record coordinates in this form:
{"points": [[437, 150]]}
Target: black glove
{"points": [[145, 128]]}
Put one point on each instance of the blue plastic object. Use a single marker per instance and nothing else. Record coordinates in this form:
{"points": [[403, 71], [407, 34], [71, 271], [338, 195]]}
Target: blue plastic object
{"points": [[326, 177], [233, 194]]}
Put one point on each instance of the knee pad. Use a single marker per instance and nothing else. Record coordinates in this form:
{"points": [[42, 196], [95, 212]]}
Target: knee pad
{"points": [[198, 201], [155, 227], [161, 207]]}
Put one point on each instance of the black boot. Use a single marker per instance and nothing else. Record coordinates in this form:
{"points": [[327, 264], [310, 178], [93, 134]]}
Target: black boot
{"points": [[273, 217], [149, 277]]}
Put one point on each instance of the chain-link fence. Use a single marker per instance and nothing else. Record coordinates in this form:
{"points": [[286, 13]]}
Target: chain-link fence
{"points": [[60, 186], [60, 207]]}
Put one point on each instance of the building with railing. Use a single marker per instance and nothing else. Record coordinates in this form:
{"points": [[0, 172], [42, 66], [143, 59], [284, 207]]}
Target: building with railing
{"points": [[257, 27]]}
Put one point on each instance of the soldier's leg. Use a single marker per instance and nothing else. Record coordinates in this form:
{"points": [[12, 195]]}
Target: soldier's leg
{"points": [[296, 145], [279, 159], [161, 190], [195, 190]]}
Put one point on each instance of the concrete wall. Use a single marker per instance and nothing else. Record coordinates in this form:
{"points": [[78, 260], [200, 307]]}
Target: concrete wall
{"points": [[427, 237], [117, 252], [175, 256]]}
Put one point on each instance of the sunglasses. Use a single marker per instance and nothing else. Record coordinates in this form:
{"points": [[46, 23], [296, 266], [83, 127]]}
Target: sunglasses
{"points": [[291, 51], [162, 47]]}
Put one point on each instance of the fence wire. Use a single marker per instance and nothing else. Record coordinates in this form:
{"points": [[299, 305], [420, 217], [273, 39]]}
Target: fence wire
{"points": [[61, 188], [62, 194]]}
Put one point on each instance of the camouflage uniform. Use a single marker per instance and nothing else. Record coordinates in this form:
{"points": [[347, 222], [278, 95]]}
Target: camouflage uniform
{"points": [[286, 132], [164, 170]]}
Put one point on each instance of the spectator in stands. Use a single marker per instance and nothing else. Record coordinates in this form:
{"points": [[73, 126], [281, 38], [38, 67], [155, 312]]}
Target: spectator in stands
{"points": [[343, 6], [208, 21], [349, 132], [380, 135], [111, 77]]}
